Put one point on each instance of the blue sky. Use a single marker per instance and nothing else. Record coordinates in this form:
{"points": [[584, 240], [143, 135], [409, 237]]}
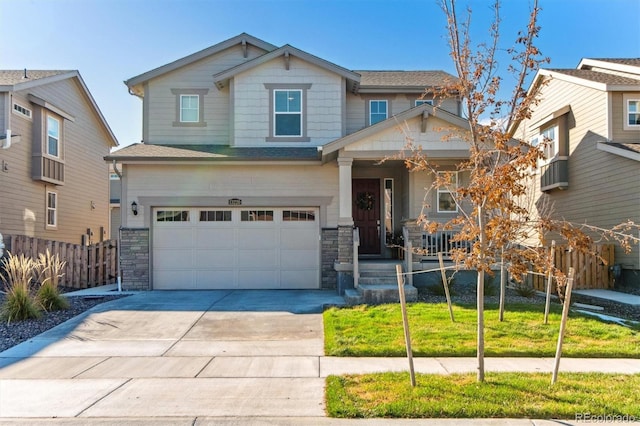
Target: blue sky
{"points": [[110, 41]]}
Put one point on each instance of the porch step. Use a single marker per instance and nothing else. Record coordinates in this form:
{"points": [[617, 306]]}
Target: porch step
{"points": [[376, 294]]}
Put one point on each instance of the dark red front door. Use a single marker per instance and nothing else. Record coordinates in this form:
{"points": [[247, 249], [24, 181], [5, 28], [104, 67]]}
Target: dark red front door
{"points": [[366, 213]]}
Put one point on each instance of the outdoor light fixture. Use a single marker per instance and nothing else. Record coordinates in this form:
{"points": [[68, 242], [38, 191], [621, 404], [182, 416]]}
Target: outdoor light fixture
{"points": [[134, 208]]}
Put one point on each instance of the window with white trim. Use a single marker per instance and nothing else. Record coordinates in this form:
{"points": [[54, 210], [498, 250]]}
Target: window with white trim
{"points": [[446, 202], [53, 136], [24, 111], [189, 108], [378, 111], [298, 216], [52, 209], [423, 101], [172, 216], [547, 141], [215, 215], [287, 113], [633, 112]]}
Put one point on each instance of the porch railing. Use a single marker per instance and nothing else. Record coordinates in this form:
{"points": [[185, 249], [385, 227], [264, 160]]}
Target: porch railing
{"points": [[441, 242]]}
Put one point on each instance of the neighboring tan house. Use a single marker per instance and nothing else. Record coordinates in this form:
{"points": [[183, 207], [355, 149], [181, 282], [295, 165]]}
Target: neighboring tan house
{"points": [[54, 183], [591, 116], [115, 188], [258, 161]]}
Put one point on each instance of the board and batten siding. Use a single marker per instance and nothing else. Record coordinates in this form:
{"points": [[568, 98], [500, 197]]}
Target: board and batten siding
{"points": [[161, 101], [83, 200], [229, 181], [603, 188], [251, 102]]}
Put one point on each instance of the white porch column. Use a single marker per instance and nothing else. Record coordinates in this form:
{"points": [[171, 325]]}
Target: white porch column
{"points": [[346, 215]]}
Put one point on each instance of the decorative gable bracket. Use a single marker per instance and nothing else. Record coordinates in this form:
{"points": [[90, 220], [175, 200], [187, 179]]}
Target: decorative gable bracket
{"points": [[423, 124]]}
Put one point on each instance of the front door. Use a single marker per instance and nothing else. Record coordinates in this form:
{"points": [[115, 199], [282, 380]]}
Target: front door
{"points": [[366, 213]]}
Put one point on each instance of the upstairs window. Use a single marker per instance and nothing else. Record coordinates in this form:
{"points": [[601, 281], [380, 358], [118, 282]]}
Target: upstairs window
{"points": [[53, 136], [547, 141], [377, 111], [189, 108], [287, 120], [633, 112]]}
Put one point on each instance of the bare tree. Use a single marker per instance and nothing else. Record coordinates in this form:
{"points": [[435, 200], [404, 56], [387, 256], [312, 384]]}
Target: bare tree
{"points": [[496, 213]]}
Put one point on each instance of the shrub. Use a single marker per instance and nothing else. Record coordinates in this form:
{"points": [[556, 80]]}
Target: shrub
{"points": [[50, 271], [525, 290], [18, 277], [49, 298]]}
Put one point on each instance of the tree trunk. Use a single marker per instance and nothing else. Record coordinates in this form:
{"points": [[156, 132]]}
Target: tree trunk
{"points": [[480, 298]]}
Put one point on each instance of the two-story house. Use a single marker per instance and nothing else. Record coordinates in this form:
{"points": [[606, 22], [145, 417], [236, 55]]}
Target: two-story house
{"points": [[258, 162], [53, 138], [590, 117]]}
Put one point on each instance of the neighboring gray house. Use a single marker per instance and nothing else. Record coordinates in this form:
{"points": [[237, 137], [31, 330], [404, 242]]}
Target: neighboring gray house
{"points": [[53, 138], [258, 162], [591, 115]]}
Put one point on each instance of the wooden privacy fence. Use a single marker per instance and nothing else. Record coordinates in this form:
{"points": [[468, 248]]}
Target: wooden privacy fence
{"points": [[591, 270], [86, 266]]}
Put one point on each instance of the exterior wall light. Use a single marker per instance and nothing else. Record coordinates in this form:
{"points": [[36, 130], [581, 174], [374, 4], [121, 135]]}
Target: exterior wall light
{"points": [[134, 208]]}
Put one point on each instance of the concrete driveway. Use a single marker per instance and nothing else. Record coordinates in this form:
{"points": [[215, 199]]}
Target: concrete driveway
{"points": [[174, 354]]}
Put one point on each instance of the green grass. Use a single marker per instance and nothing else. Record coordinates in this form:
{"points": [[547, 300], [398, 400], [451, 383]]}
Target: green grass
{"points": [[364, 331], [506, 395]]}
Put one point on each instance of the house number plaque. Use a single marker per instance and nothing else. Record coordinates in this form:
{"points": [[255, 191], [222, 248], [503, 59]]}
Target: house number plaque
{"points": [[235, 202]]}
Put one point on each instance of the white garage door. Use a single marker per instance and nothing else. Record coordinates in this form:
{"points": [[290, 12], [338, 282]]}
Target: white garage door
{"points": [[247, 248]]}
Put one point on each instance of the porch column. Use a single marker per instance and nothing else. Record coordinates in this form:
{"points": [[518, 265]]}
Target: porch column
{"points": [[346, 215]]}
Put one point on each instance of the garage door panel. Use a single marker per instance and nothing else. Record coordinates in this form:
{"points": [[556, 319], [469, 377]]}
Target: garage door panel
{"points": [[214, 238], [176, 237], [299, 279], [299, 239], [258, 279], [214, 280], [302, 259], [257, 238], [172, 258], [253, 259], [214, 259], [175, 278]]}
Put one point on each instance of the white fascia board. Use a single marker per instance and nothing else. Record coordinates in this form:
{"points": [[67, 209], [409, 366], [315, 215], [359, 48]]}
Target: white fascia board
{"points": [[618, 151]]}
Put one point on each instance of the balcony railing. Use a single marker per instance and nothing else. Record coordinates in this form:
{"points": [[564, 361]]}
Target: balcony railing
{"points": [[555, 174]]}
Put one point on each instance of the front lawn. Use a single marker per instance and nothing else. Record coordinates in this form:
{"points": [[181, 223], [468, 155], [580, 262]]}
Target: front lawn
{"points": [[366, 331], [505, 395]]}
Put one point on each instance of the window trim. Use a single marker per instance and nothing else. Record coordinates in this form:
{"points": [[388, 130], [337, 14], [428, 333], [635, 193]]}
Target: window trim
{"points": [[627, 99], [179, 93], [22, 111], [441, 190], [49, 209], [58, 137], [273, 88], [371, 101]]}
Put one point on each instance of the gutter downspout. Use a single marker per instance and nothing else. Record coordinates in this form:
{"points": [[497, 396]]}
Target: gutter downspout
{"points": [[119, 173]]}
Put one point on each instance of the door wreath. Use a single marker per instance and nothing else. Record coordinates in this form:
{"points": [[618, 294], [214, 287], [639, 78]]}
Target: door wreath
{"points": [[365, 201]]}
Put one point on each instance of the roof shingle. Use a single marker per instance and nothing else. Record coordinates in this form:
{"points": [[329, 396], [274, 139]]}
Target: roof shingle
{"points": [[11, 77], [405, 78]]}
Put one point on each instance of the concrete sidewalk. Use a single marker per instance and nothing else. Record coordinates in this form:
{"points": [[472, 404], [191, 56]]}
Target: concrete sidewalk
{"points": [[207, 357]]}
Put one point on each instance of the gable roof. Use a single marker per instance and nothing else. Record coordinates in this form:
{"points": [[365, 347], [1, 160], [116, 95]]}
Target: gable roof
{"points": [[243, 39], [353, 78], [395, 120], [376, 81], [631, 65], [610, 80], [14, 80]]}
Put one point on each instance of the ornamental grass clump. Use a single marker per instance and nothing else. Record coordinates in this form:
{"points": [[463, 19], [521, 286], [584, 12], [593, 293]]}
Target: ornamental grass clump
{"points": [[50, 271], [18, 276]]}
